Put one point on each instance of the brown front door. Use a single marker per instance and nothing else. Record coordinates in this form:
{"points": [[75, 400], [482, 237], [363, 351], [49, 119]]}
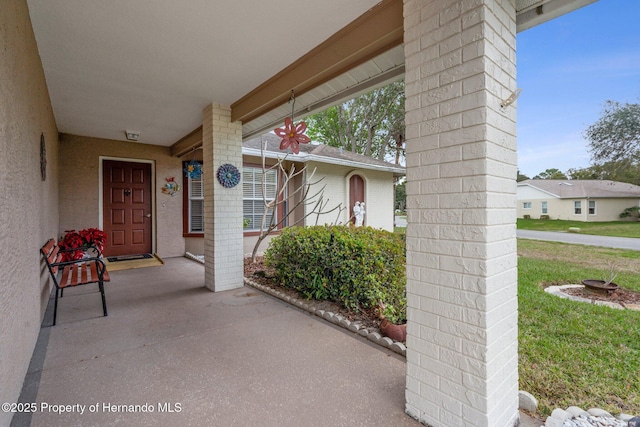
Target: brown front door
{"points": [[356, 193], [126, 207]]}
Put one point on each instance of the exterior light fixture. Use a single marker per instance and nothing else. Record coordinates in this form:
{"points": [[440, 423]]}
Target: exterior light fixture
{"points": [[132, 135], [511, 99]]}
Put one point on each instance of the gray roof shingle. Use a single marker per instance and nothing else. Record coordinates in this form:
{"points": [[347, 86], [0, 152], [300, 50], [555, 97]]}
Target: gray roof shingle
{"points": [[572, 189], [321, 153]]}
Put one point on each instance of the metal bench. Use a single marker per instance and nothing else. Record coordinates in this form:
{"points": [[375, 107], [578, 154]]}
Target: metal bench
{"points": [[66, 274]]}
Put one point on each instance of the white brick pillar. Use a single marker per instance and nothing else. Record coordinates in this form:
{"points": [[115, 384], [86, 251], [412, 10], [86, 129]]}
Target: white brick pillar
{"points": [[221, 144], [462, 348]]}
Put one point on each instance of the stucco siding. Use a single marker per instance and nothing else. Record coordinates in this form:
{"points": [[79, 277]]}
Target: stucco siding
{"points": [[610, 209], [555, 207], [527, 192], [559, 207], [380, 200], [80, 182], [379, 195], [606, 209], [29, 206]]}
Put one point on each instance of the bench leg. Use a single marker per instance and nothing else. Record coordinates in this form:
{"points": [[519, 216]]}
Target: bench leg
{"points": [[104, 302], [55, 307]]}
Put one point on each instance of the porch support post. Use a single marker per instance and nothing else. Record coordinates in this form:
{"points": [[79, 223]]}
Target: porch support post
{"points": [[221, 144], [462, 348]]}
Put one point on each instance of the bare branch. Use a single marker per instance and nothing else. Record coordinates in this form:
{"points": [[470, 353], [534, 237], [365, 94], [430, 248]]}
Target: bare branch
{"points": [[300, 196]]}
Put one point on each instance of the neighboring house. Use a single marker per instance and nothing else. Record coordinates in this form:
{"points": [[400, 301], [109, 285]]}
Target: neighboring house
{"points": [[343, 176], [577, 200]]}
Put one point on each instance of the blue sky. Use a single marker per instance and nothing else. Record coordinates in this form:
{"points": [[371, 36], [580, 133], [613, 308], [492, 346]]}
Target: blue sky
{"points": [[567, 68]]}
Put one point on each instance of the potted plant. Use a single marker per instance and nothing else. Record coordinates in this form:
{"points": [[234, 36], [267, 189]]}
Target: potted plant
{"points": [[75, 244]]}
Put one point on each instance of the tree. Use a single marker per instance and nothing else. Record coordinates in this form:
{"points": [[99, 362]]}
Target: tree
{"points": [[401, 196], [520, 177], [551, 174], [585, 173], [622, 171], [315, 203], [615, 136], [371, 124]]}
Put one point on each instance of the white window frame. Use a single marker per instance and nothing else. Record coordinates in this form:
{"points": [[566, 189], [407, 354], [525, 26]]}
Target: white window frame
{"points": [[592, 208], [544, 208], [526, 205], [577, 207], [252, 195]]}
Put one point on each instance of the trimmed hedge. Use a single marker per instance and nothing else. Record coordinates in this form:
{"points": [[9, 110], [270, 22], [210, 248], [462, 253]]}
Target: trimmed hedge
{"points": [[355, 267]]}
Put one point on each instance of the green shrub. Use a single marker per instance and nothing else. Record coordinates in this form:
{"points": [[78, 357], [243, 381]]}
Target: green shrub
{"points": [[544, 217], [526, 216], [632, 212], [355, 267]]}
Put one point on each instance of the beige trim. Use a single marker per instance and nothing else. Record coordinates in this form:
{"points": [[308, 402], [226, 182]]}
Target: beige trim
{"points": [[375, 32], [187, 143]]}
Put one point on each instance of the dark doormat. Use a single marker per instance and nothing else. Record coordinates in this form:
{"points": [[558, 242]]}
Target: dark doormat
{"points": [[128, 257]]}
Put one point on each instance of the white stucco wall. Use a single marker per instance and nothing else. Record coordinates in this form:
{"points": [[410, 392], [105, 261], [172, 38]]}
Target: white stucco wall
{"points": [[28, 206], [379, 197]]}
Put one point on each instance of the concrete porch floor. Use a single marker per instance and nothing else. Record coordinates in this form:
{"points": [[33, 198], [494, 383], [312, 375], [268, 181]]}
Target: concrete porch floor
{"points": [[198, 358]]}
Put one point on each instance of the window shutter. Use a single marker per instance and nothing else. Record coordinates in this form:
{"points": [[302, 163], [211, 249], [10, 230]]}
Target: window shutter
{"points": [[253, 201], [197, 216]]}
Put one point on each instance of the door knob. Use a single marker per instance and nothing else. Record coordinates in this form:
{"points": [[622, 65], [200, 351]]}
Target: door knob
{"points": [[148, 215]]}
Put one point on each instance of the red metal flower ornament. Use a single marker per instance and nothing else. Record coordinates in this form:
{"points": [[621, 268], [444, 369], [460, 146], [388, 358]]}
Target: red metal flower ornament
{"points": [[292, 135]]}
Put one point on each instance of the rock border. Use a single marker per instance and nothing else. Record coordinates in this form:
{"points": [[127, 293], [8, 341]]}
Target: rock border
{"points": [[557, 291], [577, 417], [371, 334], [526, 400]]}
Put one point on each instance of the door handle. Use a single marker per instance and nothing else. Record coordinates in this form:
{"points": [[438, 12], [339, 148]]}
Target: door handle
{"points": [[148, 215]]}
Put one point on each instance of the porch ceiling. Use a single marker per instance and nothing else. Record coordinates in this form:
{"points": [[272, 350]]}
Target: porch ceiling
{"points": [[152, 67]]}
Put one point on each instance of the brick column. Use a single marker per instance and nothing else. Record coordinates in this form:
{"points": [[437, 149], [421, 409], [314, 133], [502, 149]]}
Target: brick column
{"points": [[221, 143], [462, 348]]}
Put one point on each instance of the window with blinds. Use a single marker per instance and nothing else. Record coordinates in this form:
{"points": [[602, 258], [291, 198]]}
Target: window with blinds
{"points": [[253, 205], [196, 205]]}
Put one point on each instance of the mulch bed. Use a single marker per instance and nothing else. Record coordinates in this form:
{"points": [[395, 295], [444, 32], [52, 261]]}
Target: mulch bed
{"points": [[262, 275], [620, 296]]}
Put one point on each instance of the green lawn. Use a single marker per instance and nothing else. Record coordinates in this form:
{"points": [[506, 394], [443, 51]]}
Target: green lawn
{"points": [[573, 353], [613, 228]]}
